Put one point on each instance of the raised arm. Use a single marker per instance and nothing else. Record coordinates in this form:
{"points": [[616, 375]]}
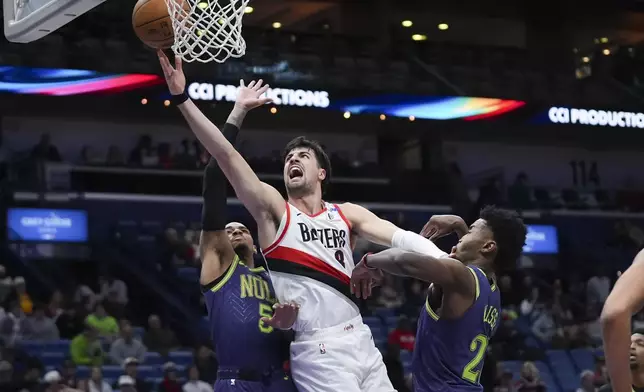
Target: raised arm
{"points": [[261, 200], [217, 253], [626, 298], [450, 274], [366, 224]]}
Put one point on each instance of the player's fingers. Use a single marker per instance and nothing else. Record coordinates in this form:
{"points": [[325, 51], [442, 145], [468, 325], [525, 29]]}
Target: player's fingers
{"points": [[267, 321], [251, 84], [262, 90], [178, 63], [241, 83], [365, 288], [264, 101], [258, 85]]}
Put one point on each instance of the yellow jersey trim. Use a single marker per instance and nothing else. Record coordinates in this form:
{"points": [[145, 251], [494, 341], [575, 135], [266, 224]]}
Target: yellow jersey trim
{"points": [[476, 279], [228, 275], [429, 310], [257, 269]]}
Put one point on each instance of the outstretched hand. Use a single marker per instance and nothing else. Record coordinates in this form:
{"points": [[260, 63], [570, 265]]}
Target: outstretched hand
{"points": [[284, 316], [249, 97], [174, 76], [441, 225], [364, 279]]}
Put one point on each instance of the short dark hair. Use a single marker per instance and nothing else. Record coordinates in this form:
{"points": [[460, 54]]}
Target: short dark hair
{"points": [[509, 233], [323, 159]]}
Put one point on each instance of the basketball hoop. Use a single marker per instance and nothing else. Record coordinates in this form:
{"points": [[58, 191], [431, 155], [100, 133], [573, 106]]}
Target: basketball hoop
{"points": [[207, 30]]}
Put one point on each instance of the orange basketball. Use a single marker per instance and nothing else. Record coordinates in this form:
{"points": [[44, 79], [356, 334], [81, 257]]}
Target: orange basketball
{"points": [[152, 23]]}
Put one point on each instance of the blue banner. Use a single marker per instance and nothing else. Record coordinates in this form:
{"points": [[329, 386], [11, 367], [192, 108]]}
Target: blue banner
{"points": [[541, 239], [46, 225]]}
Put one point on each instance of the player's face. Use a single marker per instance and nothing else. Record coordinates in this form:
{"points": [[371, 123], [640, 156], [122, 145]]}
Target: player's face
{"points": [[302, 171], [478, 240], [637, 350], [239, 236]]}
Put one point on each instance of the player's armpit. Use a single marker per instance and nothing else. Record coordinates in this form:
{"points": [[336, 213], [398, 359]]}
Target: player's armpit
{"points": [[217, 255], [450, 274], [626, 298]]}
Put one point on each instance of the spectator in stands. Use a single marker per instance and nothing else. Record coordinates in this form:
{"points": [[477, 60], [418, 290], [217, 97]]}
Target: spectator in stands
{"points": [[158, 338], [519, 194], [544, 326], [106, 325], [55, 305], [186, 158], [40, 327], [29, 379], [389, 297], [127, 346], [504, 382], [529, 303], [45, 151], [85, 296], [68, 373], [206, 363], [403, 336], [114, 156], [54, 383], [142, 148], [194, 384], [587, 382], [394, 367], [170, 382], [600, 373], [131, 369], [70, 323], [11, 325], [415, 299], [111, 286], [6, 284], [96, 382], [85, 349], [20, 286], [530, 381], [598, 287], [126, 384], [175, 251]]}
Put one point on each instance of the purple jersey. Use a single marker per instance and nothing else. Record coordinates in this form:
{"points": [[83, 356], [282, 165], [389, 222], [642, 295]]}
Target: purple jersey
{"points": [[449, 354], [236, 302]]}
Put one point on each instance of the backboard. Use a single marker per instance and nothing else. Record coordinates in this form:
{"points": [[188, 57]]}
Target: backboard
{"points": [[28, 20]]}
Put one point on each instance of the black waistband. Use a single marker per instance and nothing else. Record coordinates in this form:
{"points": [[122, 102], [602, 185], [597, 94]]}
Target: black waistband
{"points": [[246, 374]]}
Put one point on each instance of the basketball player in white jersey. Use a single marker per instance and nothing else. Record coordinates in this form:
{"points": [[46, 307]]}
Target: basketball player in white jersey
{"points": [[307, 245]]}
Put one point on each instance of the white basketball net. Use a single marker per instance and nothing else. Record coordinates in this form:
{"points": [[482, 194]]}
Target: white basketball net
{"points": [[207, 30]]}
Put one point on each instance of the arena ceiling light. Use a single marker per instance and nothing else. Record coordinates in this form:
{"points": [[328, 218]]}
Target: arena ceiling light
{"points": [[603, 40], [606, 52], [443, 26], [585, 59], [249, 10], [347, 115], [407, 23], [277, 25], [273, 110], [419, 37], [383, 117]]}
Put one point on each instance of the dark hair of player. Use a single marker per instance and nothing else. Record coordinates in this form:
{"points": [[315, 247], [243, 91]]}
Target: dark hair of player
{"points": [[509, 233], [320, 155]]}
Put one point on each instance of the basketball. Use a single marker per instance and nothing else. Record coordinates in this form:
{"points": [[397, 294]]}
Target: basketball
{"points": [[152, 23]]}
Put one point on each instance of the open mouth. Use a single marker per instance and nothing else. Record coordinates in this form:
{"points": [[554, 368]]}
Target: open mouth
{"points": [[295, 172]]}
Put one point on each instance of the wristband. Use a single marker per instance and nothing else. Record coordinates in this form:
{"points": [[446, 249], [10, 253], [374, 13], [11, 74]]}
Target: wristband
{"points": [[179, 99]]}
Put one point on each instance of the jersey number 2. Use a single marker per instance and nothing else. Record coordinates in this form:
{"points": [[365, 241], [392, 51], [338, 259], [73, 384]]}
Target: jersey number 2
{"points": [[478, 345], [265, 311]]}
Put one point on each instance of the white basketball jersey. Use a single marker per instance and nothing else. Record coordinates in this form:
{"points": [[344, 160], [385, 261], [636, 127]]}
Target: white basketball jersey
{"points": [[310, 262]]}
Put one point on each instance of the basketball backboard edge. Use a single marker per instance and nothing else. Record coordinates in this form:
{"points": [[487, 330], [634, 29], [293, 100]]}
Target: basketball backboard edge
{"points": [[34, 19]]}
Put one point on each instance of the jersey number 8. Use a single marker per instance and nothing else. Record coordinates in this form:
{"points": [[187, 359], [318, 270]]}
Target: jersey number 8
{"points": [[478, 345]]}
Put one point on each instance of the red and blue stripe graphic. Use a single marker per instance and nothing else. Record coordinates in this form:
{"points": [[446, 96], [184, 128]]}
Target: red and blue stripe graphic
{"points": [[63, 82]]}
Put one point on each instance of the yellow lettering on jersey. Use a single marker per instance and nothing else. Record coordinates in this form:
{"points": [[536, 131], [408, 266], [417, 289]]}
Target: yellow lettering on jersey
{"points": [[246, 286], [490, 316]]}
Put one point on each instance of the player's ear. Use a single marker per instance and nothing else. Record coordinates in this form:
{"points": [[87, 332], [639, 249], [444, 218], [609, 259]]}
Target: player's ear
{"points": [[321, 174], [489, 247]]}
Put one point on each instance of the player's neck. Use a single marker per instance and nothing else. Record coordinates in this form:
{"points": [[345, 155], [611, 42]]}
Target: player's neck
{"points": [[310, 204], [638, 378], [484, 265], [247, 258]]}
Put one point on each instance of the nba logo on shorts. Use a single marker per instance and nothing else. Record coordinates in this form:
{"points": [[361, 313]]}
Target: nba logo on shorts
{"points": [[322, 349]]}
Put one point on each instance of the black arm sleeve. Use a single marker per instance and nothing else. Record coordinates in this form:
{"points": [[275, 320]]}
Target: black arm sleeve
{"points": [[213, 213]]}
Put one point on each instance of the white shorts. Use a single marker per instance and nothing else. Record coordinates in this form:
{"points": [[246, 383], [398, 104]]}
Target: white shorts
{"points": [[343, 358]]}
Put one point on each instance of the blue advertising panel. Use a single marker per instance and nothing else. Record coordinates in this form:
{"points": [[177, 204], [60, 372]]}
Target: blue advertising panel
{"points": [[46, 225], [541, 239]]}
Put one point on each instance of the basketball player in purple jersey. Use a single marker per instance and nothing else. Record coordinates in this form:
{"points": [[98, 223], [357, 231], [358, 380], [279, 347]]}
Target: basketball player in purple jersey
{"points": [[463, 304], [244, 318]]}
